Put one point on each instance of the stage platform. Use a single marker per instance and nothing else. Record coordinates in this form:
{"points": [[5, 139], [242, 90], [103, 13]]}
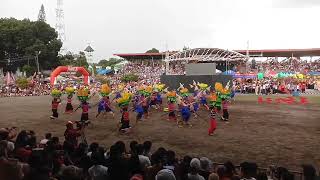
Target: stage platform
{"points": [[173, 81]]}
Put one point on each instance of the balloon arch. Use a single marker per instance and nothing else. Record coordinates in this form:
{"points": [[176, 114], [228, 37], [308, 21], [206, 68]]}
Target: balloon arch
{"points": [[61, 69]]}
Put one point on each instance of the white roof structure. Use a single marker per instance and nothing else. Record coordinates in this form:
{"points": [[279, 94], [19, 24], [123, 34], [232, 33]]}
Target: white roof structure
{"points": [[207, 54]]}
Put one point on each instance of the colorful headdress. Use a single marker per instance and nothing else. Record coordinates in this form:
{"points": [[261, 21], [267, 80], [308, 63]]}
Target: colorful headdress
{"points": [[184, 92], [203, 86], [212, 99], [159, 87], [172, 96], [223, 92], [145, 90], [148, 90], [105, 90], [69, 91], [56, 93], [124, 100], [218, 87], [83, 94]]}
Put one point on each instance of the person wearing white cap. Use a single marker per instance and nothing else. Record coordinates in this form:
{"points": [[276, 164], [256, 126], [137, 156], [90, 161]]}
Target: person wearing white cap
{"points": [[165, 174], [195, 167]]}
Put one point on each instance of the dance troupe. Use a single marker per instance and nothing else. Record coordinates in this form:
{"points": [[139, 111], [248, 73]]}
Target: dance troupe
{"points": [[180, 103]]}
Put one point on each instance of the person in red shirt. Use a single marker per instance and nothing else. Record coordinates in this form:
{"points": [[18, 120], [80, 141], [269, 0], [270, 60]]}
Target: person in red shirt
{"points": [[125, 121], [71, 134], [54, 105], [69, 107]]}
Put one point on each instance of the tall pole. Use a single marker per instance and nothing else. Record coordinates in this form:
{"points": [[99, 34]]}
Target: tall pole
{"points": [[37, 60], [247, 54]]}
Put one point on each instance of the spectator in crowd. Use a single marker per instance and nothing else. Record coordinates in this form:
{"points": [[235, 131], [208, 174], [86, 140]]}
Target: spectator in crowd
{"points": [[309, 172], [194, 170], [97, 171]]}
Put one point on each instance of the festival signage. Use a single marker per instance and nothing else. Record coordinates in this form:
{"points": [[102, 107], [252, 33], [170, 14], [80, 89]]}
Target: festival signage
{"points": [[283, 100]]}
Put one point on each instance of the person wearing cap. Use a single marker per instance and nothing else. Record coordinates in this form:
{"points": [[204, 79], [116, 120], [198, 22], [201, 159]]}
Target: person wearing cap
{"points": [[194, 170], [71, 134], [165, 174]]}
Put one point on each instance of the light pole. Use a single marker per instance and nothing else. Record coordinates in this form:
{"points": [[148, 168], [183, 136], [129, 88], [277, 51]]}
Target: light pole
{"points": [[37, 60]]}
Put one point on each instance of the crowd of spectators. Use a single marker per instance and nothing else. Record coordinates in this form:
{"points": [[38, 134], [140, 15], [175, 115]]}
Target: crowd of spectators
{"points": [[23, 158], [289, 65]]}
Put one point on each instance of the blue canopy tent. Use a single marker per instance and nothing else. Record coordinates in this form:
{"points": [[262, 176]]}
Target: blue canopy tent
{"points": [[229, 72], [104, 71]]}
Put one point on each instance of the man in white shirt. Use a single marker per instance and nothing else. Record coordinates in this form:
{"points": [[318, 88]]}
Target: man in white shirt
{"points": [[97, 171]]}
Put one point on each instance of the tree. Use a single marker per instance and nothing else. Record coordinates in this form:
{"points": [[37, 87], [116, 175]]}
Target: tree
{"points": [[71, 59], [153, 50], [111, 62], [29, 70], [42, 14], [22, 83], [21, 38]]}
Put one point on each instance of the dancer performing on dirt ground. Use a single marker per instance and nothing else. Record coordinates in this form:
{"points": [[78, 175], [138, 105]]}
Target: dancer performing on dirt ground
{"points": [[83, 96], [56, 94], [123, 103], [105, 103], [69, 107]]}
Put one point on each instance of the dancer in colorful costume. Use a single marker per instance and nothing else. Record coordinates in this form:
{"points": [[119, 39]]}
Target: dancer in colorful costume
{"points": [[184, 107], [83, 96], [104, 103], [123, 103], [69, 107], [159, 88], [202, 94], [56, 94], [145, 99], [223, 96], [172, 99], [212, 98]]}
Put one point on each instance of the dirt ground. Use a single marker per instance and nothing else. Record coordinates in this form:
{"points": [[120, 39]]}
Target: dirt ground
{"points": [[286, 135]]}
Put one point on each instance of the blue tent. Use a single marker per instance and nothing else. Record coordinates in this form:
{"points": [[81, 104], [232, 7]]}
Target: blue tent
{"points": [[229, 72], [104, 71]]}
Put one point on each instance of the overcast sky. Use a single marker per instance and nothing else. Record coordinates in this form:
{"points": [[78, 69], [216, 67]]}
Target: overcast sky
{"points": [[132, 26]]}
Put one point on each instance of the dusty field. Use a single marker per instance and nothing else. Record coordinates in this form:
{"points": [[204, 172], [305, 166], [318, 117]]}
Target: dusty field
{"points": [[285, 135]]}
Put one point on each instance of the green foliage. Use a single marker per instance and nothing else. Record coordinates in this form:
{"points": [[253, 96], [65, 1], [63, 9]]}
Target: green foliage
{"points": [[153, 50], [21, 38], [71, 59], [111, 62], [129, 77], [22, 83], [29, 70]]}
